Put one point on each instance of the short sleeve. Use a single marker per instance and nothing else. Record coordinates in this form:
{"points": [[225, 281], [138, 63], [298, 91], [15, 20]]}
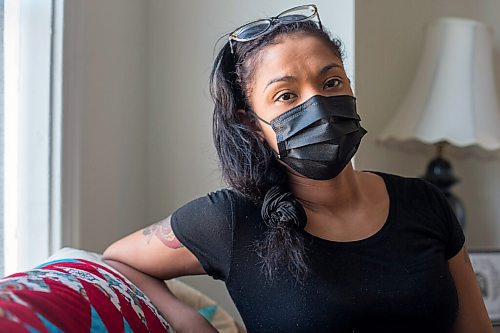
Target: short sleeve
{"points": [[454, 235], [204, 227]]}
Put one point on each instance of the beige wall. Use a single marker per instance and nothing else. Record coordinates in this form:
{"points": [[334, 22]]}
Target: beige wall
{"points": [[105, 41], [389, 37]]}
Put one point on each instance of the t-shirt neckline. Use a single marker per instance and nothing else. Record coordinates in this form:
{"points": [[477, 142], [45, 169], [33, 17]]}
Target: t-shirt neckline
{"points": [[372, 238]]}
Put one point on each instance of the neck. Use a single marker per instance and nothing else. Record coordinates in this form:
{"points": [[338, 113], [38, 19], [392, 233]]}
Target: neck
{"points": [[327, 196]]}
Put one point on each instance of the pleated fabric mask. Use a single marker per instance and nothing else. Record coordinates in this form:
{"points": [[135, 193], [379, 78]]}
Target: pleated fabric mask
{"points": [[319, 137]]}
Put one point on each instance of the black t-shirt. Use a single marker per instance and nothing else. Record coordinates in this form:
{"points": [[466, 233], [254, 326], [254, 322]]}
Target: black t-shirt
{"points": [[396, 280]]}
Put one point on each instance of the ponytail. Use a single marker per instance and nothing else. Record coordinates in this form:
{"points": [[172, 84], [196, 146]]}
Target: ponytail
{"points": [[282, 244]]}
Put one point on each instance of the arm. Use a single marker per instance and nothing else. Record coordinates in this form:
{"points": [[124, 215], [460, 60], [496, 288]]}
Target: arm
{"points": [[149, 256], [472, 314], [182, 317]]}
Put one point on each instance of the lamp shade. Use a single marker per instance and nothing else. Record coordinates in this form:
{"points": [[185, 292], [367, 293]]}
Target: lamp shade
{"points": [[452, 97]]}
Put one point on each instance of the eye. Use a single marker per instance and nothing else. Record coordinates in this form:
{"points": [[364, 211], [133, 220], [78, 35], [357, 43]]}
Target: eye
{"points": [[286, 97], [332, 83]]}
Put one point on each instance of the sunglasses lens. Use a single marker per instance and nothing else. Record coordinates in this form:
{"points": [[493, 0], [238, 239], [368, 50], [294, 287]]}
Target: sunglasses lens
{"points": [[252, 30], [298, 14], [255, 29]]}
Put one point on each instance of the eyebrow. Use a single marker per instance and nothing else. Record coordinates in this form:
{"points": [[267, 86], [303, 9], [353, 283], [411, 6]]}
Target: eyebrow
{"points": [[328, 67], [291, 78], [279, 79]]}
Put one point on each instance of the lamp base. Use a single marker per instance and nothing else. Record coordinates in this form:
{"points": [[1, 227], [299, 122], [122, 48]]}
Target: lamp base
{"points": [[440, 173]]}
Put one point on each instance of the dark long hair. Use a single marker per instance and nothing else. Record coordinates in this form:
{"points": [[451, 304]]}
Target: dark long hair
{"points": [[248, 164]]}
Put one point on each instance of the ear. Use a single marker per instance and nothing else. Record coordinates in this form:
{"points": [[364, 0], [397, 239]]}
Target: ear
{"points": [[251, 121]]}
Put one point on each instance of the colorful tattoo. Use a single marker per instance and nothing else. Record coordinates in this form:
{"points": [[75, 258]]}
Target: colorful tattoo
{"points": [[163, 231]]}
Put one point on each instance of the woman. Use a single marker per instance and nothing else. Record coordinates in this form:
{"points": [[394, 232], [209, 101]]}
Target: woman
{"points": [[303, 242]]}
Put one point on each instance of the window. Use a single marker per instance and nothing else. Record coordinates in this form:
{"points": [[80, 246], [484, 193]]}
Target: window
{"points": [[31, 132], [1, 142]]}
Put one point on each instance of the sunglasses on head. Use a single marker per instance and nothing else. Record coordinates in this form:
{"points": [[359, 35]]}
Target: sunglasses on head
{"points": [[260, 27]]}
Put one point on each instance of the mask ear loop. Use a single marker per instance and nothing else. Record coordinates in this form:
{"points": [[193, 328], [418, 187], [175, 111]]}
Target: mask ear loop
{"points": [[264, 121], [277, 154]]}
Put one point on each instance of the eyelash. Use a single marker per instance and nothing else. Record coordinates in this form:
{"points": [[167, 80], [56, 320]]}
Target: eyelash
{"points": [[279, 99], [337, 81]]}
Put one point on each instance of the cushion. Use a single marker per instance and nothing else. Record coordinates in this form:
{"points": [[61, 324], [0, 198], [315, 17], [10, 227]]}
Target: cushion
{"points": [[207, 307], [217, 316], [75, 295], [87, 264]]}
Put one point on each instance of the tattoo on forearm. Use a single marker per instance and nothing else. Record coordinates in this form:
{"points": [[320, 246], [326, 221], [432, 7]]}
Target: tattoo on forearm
{"points": [[163, 231]]}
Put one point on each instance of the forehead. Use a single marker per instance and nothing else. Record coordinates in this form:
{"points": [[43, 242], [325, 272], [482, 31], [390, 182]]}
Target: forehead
{"points": [[294, 54]]}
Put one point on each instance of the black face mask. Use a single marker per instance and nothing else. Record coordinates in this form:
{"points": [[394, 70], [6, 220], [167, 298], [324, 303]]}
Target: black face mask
{"points": [[319, 137]]}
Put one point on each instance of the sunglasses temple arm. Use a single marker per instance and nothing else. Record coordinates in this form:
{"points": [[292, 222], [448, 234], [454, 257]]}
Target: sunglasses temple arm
{"points": [[319, 21], [231, 46]]}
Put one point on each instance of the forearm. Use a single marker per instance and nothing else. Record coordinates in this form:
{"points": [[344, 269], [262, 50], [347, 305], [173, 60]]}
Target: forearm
{"points": [[182, 317]]}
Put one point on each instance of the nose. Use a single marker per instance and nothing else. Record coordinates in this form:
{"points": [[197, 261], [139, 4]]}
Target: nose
{"points": [[311, 91]]}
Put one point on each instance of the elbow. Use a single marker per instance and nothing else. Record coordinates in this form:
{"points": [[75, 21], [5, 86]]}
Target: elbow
{"points": [[116, 254], [106, 254], [110, 253], [111, 257]]}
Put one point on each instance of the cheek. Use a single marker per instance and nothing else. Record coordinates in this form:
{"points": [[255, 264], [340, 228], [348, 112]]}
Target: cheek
{"points": [[270, 137]]}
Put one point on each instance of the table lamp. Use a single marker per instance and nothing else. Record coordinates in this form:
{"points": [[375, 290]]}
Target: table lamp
{"points": [[451, 102]]}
